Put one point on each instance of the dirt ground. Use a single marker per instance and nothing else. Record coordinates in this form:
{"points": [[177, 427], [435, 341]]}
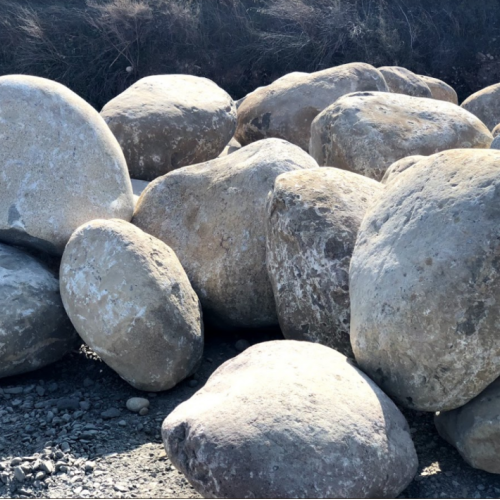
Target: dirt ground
{"points": [[66, 433]]}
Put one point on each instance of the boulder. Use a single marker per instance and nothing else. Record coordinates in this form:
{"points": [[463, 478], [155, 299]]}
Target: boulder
{"points": [[425, 282], [138, 187], [400, 166], [213, 216], [403, 81], [496, 131], [286, 108], [312, 224], [130, 300], [485, 104], [288, 419], [164, 122], [474, 429], [365, 132], [440, 90], [60, 165], [34, 328]]}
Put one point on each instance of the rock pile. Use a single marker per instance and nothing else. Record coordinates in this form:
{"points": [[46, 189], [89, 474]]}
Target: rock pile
{"points": [[239, 223]]}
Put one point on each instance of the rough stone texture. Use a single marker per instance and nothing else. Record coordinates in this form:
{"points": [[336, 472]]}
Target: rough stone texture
{"points": [[366, 132], [138, 187], [130, 300], [425, 282], [281, 421], [164, 122], [403, 81], [34, 328], [213, 216], [231, 147], [60, 166], [440, 90], [485, 104], [474, 429], [496, 131], [312, 224], [400, 166], [286, 108]]}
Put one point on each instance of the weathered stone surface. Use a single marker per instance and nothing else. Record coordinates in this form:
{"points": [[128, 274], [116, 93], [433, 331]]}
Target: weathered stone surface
{"points": [[138, 187], [400, 166], [213, 216], [60, 166], [34, 328], [232, 146], [403, 81], [440, 90], [288, 419], [365, 132], [496, 131], [286, 108], [312, 224], [130, 300], [485, 104], [474, 429], [164, 122], [425, 282]]}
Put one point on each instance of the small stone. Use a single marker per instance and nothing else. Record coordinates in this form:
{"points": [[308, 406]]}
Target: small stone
{"points": [[13, 390], [19, 474], [144, 411], [121, 487], [84, 405], [40, 390], [241, 345], [15, 461], [122, 423], [66, 417], [39, 476], [68, 404], [77, 490], [137, 404], [65, 447], [89, 466], [193, 383], [47, 467], [111, 413], [4, 477], [58, 454]]}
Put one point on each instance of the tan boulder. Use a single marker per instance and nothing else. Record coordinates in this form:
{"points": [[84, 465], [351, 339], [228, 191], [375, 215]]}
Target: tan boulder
{"points": [[496, 131], [131, 302], [164, 122], [485, 104], [425, 282], [60, 165], [403, 81], [400, 166], [213, 216], [366, 132], [312, 224], [440, 90], [474, 429], [289, 419], [286, 108]]}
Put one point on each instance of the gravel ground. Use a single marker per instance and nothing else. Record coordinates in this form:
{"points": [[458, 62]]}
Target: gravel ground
{"points": [[66, 433]]}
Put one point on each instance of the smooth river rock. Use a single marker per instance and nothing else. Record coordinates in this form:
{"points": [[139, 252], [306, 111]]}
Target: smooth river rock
{"points": [[425, 282], [440, 90], [400, 166], [485, 104], [289, 419], [403, 81]]}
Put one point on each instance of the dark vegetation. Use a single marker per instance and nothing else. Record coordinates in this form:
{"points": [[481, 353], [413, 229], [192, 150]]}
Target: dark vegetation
{"points": [[100, 47]]}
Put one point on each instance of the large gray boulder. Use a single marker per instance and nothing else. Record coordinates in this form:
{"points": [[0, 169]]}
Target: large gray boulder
{"points": [[286, 108], [400, 166], [474, 429], [366, 132], [485, 104], [312, 224], [213, 216], [34, 328], [130, 300], [164, 122], [440, 90], [425, 282], [403, 81], [60, 165], [288, 419]]}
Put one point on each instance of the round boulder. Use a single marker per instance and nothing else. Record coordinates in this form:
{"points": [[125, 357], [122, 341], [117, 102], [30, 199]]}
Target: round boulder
{"points": [[130, 300], [34, 328], [213, 216], [286, 108], [164, 122], [312, 224], [440, 90], [425, 282], [403, 81], [288, 419], [474, 429], [496, 131], [400, 166], [485, 104], [60, 165], [366, 132]]}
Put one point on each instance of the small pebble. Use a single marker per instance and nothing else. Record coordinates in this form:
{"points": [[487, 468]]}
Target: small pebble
{"points": [[15, 461], [47, 466], [65, 447], [39, 476], [84, 405], [122, 423], [137, 404], [111, 413], [40, 390], [19, 474], [144, 411]]}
